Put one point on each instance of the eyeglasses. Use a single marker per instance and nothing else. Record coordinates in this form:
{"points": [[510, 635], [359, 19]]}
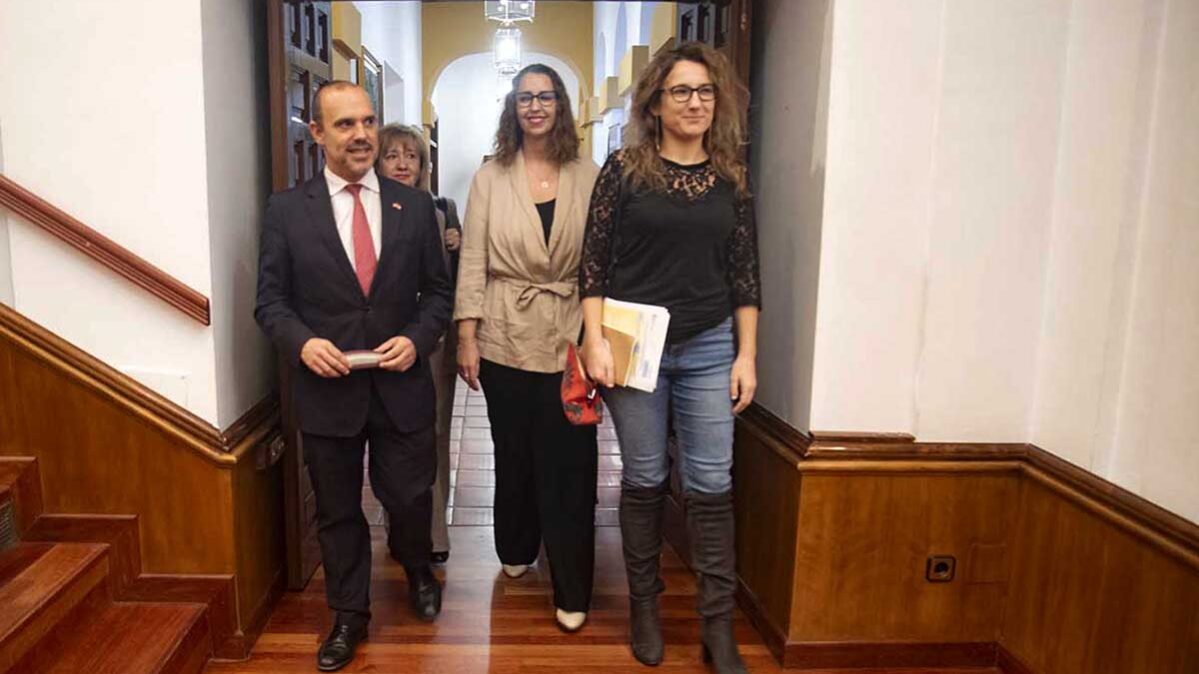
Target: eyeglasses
{"points": [[547, 98], [682, 93]]}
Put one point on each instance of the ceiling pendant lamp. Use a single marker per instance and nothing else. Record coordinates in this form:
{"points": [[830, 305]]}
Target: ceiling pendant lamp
{"points": [[506, 47]]}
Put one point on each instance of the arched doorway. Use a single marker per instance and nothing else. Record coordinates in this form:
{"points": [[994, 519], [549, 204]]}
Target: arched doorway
{"points": [[468, 96]]}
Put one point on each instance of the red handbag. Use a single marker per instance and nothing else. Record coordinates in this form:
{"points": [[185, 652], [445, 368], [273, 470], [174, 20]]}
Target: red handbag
{"points": [[580, 398]]}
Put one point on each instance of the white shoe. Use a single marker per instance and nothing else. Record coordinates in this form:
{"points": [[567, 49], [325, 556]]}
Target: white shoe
{"points": [[571, 621], [515, 570]]}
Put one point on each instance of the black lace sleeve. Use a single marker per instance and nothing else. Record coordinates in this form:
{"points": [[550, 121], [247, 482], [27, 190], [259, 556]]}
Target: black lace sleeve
{"points": [[743, 269], [602, 218]]}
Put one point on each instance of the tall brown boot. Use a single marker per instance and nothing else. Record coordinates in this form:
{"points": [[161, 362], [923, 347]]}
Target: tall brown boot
{"points": [[641, 513], [710, 525]]}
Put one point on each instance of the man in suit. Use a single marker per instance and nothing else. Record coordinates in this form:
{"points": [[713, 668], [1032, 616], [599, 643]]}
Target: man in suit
{"points": [[350, 261]]}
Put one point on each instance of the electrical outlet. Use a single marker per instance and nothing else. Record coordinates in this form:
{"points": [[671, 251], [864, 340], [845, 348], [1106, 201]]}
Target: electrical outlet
{"points": [[940, 568]]}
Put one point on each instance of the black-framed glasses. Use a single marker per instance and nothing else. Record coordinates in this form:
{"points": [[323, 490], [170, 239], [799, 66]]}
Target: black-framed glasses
{"points": [[682, 93], [547, 98]]}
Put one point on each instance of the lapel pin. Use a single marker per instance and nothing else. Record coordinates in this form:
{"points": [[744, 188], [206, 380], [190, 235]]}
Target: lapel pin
{"points": [[396, 205]]}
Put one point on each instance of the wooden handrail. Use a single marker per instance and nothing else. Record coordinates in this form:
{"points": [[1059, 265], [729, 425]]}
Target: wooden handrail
{"points": [[103, 250]]}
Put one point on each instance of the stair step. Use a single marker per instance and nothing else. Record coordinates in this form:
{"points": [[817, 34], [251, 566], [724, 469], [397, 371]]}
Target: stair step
{"points": [[20, 493], [40, 584], [8, 515], [127, 638]]}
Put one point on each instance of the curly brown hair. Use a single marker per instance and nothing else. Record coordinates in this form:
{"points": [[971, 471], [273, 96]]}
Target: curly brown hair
{"points": [[724, 139], [563, 141]]}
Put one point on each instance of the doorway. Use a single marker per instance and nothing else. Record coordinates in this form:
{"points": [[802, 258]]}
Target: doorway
{"points": [[599, 44]]}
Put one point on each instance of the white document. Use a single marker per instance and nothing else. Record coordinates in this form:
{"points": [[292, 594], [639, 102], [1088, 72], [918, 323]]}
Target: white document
{"points": [[646, 324]]}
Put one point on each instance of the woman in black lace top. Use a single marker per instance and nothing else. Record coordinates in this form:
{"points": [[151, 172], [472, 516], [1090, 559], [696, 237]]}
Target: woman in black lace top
{"points": [[671, 224]]}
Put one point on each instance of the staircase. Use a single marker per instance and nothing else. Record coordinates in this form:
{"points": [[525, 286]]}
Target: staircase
{"points": [[67, 593]]}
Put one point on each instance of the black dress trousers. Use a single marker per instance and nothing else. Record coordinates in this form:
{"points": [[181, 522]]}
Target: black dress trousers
{"points": [[545, 472], [402, 468]]}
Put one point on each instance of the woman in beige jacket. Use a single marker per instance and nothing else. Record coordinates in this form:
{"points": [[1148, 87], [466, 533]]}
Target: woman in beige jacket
{"points": [[517, 309]]}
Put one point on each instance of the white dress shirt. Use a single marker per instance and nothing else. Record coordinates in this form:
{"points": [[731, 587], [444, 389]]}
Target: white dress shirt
{"points": [[343, 210]]}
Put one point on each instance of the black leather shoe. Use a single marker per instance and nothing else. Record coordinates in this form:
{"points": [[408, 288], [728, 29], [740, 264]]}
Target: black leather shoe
{"points": [[424, 593], [338, 649], [440, 557]]}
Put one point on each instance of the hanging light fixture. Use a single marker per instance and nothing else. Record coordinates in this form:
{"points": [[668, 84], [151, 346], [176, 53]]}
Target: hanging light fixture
{"points": [[509, 11], [505, 47], [506, 51]]}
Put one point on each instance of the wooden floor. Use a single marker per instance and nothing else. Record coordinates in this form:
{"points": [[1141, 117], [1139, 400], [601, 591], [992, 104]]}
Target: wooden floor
{"points": [[490, 623]]}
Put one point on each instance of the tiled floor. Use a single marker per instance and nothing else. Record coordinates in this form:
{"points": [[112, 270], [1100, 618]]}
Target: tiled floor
{"points": [[472, 464], [472, 467]]}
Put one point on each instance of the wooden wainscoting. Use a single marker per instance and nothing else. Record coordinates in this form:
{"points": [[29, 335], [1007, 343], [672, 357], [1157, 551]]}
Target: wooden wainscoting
{"points": [[766, 481], [205, 505], [1101, 581], [1057, 571]]}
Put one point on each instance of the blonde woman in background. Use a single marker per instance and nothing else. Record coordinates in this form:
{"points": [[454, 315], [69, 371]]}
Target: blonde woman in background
{"points": [[404, 157]]}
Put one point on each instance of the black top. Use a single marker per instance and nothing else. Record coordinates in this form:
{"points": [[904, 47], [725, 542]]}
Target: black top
{"points": [[692, 248], [450, 209], [546, 210]]}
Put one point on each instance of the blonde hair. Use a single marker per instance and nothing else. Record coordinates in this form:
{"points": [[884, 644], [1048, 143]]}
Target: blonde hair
{"points": [[723, 141], [399, 134]]}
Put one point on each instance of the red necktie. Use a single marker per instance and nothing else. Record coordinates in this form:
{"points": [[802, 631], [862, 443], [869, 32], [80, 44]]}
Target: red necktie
{"points": [[365, 261]]}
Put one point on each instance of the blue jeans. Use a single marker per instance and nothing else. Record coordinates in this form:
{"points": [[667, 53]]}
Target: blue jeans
{"points": [[693, 382]]}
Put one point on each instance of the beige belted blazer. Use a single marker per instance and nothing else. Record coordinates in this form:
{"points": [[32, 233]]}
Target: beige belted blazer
{"points": [[523, 292]]}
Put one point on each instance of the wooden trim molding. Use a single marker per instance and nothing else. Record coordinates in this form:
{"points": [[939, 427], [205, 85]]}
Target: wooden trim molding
{"points": [[196, 433], [863, 452], [865, 510], [784, 439], [1117, 504], [103, 250], [1008, 663], [825, 656]]}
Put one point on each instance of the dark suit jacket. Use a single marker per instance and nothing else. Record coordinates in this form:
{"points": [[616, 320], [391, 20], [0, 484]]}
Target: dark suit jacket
{"points": [[307, 288]]}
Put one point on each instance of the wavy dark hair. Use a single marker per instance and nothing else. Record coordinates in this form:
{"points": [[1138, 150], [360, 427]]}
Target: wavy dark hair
{"points": [[563, 140], [723, 140]]}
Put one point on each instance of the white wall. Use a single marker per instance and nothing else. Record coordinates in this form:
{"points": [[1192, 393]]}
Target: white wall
{"points": [[788, 117], [1009, 249], [1110, 66], [942, 125], [468, 96], [120, 144], [1119, 384], [617, 26], [392, 32], [159, 141], [236, 112]]}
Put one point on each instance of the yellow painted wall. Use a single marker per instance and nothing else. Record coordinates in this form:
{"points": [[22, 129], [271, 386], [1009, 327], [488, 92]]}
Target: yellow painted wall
{"points": [[347, 27], [663, 26], [454, 29]]}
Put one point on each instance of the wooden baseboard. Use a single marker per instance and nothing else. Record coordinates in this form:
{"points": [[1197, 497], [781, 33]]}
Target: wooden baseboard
{"points": [[865, 655], [774, 638], [239, 647], [861, 655], [1008, 663]]}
